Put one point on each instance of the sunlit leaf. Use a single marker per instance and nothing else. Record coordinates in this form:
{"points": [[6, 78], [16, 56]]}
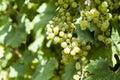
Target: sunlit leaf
{"points": [[99, 70], [69, 72], [47, 70], [84, 35]]}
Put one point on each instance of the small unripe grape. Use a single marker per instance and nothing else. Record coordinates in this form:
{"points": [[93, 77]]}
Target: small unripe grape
{"points": [[77, 66], [74, 5], [108, 41], [69, 35], [49, 30], [60, 2], [56, 39], [103, 10], [65, 6], [56, 3], [61, 10], [79, 72], [84, 60], [51, 22], [88, 47], [89, 17], [68, 40], [96, 20], [67, 14], [57, 19], [48, 26], [68, 18], [97, 1], [72, 26], [73, 53], [67, 50], [61, 34], [94, 13], [76, 77], [64, 44], [84, 24], [88, 8], [56, 30], [101, 38], [109, 16], [51, 35], [85, 53], [76, 49], [104, 4], [74, 44], [105, 26]]}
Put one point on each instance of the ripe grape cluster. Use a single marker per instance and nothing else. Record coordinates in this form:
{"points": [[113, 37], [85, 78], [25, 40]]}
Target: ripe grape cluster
{"points": [[94, 15], [62, 31]]}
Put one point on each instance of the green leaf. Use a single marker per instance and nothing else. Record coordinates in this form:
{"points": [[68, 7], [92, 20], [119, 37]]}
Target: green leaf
{"points": [[20, 68], [28, 57], [99, 70], [47, 71], [101, 51], [84, 35], [47, 13], [15, 37], [20, 3], [69, 72]]}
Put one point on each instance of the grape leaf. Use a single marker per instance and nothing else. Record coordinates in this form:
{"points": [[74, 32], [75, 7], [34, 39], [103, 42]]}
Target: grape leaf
{"points": [[69, 72], [15, 37], [28, 57], [46, 15], [84, 35], [20, 68], [47, 70], [101, 51], [17, 34], [99, 70]]}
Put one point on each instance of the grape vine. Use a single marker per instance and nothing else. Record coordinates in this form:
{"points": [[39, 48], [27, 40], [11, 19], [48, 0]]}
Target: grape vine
{"points": [[94, 16]]}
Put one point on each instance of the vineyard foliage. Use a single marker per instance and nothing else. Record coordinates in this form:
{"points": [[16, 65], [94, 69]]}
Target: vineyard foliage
{"points": [[59, 40]]}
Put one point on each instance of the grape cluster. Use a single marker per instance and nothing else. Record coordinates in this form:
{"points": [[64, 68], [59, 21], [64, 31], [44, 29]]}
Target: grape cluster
{"points": [[98, 15], [62, 31], [94, 15]]}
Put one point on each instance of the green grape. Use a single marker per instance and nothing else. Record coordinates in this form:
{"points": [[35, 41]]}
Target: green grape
{"points": [[84, 60], [76, 77], [105, 26], [74, 44], [104, 4], [51, 36], [103, 10], [57, 39], [94, 13], [64, 44], [76, 49], [108, 41], [61, 34], [60, 2], [77, 66], [67, 14], [49, 30], [56, 30], [73, 53], [84, 24], [69, 35], [67, 50], [101, 38], [74, 5], [65, 6], [97, 1], [88, 47]]}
